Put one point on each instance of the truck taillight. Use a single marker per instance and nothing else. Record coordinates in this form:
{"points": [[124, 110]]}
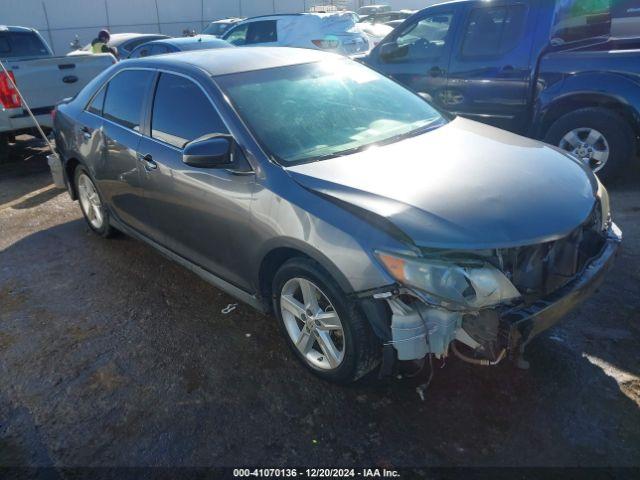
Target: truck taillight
{"points": [[9, 97], [326, 44]]}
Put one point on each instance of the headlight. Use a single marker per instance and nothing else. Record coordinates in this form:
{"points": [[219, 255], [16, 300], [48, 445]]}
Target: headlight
{"points": [[605, 206], [468, 286]]}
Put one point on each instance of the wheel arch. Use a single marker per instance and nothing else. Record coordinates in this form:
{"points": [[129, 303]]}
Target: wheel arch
{"points": [[578, 100], [276, 254], [70, 166]]}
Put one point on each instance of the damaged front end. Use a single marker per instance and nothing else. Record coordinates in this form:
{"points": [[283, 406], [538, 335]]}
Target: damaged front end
{"points": [[494, 301]]}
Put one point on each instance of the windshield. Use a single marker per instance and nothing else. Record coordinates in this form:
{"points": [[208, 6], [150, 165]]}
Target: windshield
{"points": [[217, 28], [22, 44], [320, 110]]}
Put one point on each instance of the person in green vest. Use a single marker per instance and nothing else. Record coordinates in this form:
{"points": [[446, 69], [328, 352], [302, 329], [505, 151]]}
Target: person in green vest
{"points": [[100, 44]]}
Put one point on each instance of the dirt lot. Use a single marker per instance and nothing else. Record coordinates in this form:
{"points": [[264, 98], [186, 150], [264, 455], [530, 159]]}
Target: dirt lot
{"points": [[112, 355]]}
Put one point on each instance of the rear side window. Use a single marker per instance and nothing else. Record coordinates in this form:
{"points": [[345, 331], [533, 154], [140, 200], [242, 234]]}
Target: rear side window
{"points": [[125, 97], [182, 112], [493, 31], [22, 44], [580, 19], [98, 101], [262, 32]]}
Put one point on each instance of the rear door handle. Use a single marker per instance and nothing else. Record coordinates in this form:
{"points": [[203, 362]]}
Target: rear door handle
{"points": [[148, 161]]}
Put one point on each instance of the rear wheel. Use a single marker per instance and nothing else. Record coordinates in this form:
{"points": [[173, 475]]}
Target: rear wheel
{"points": [[323, 327], [93, 209], [596, 136]]}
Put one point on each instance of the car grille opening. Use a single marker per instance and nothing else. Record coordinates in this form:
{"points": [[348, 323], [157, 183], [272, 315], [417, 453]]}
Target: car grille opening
{"points": [[538, 270]]}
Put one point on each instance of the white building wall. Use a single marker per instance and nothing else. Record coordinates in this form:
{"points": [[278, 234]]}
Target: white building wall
{"points": [[60, 21]]}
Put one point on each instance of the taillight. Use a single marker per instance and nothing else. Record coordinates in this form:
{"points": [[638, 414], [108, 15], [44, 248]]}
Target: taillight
{"points": [[53, 114], [326, 44], [9, 97]]}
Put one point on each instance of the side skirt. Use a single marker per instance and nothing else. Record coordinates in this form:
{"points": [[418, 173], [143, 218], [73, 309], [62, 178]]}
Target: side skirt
{"points": [[207, 276]]}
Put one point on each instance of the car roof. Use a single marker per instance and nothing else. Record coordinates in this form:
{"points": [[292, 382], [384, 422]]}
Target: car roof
{"points": [[123, 37], [224, 61], [179, 41], [12, 28], [228, 20]]}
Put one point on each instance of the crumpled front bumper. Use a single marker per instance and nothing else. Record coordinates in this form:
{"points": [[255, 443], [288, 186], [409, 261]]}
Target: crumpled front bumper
{"points": [[522, 324]]}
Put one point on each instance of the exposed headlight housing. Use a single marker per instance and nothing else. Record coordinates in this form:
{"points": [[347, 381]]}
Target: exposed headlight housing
{"points": [[605, 206], [462, 285]]}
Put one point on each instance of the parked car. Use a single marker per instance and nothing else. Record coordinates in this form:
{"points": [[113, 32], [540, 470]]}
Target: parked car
{"points": [[182, 44], [313, 187], [219, 27], [364, 12], [375, 32], [42, 78], [523, 66], [386, 17], [335, 32], [124, 43]]}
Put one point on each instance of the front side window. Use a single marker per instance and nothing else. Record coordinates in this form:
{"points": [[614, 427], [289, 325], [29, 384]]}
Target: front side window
{"points": [[125, 97], [493, 31], [182, 112], [580, 19], [425, 39], [319, 110], [238, 35]]}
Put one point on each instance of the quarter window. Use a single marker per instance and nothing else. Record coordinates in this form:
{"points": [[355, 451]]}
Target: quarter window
{"points": [[182, 112], [98, 101], [493, 31], [125, 97]]}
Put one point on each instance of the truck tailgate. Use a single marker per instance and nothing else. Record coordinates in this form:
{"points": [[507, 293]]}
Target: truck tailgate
{"points": [[45, 81]]}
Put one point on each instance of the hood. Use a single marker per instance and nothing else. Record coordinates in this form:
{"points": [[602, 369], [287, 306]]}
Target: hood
{"points": [[465, 185]]}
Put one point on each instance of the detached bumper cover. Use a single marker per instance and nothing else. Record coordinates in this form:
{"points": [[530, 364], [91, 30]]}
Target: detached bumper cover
{"points": [[524, 323]]}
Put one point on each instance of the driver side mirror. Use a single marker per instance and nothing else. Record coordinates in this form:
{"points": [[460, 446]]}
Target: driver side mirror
{"points": [[391, 50], [213, 151]]}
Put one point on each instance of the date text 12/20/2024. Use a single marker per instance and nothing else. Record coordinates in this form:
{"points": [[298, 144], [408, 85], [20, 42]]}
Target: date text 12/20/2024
{"points": [[316, 472]]}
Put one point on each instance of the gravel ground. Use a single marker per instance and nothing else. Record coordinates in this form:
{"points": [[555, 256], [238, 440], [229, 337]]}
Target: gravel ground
{"points": [[111, 355]]}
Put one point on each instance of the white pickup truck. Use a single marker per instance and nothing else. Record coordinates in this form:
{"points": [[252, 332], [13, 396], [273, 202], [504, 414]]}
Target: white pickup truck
{"points": [[42, 78]]}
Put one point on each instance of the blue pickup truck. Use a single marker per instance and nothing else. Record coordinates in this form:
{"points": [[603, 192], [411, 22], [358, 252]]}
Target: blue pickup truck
{"points": [[547, 69]]}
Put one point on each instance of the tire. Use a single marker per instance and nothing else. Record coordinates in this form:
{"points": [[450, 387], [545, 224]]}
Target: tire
{"points": [[617, 133], [361, 348], [102, 228]]}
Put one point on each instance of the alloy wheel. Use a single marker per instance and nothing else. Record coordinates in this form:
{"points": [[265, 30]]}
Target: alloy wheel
{"points": [[312, 324], [90, 201], [588, 145]]}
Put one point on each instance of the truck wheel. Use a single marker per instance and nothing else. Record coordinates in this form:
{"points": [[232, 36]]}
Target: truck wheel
{"points": [[93, 209], [323, 327], [597, 136]]}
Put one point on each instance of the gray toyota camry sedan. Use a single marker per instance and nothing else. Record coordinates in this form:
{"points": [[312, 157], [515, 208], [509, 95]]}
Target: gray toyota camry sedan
{"points": [[373, 226]]}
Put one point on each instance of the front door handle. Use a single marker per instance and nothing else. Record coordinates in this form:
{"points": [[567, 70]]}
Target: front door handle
{"points": [[149, 163], [86, 132]]}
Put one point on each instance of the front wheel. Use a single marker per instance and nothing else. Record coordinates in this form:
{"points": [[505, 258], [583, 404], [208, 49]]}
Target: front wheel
{"points": [[323, 327], [598, 137]]}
